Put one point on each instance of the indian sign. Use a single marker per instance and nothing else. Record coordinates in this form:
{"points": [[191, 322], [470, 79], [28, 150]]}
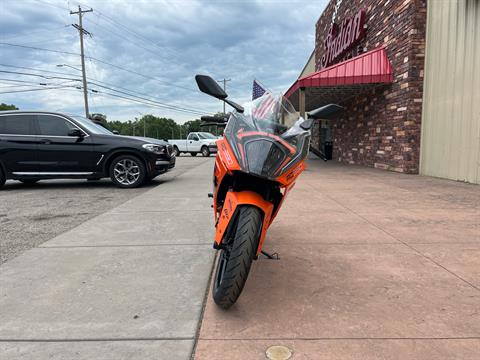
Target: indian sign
{"points": [[341, 39]]}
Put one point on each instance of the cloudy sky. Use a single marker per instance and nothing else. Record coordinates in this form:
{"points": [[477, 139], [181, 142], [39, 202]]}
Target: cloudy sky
{"points": [[152, 50]]}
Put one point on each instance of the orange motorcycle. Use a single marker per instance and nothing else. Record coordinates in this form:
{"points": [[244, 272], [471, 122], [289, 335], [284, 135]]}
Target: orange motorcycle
{"points": [[259, 158]]}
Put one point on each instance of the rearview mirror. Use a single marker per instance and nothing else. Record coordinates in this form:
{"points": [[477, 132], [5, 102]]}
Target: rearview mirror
{"points": [[76, 133], [115, 132], [209, 86]]}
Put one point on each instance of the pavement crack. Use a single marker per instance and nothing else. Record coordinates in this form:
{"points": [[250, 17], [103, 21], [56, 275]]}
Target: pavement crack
{"points": [[100, 339], [125, 245], [344, 338], [204, 305]]}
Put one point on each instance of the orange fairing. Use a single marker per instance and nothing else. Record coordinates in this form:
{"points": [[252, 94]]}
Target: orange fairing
{"points": [[291, 175], [226, 155], [232, 201]]}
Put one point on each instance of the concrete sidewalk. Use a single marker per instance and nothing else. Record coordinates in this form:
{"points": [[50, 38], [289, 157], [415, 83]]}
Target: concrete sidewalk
{"points": [[128, 284], [374, 265]]}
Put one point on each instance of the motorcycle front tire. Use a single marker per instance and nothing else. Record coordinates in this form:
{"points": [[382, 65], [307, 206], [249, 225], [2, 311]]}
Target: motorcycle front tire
{"points": [[234, 262]]}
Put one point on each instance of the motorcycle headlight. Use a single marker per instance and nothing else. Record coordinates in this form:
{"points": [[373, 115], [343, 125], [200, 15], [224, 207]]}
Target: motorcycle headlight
{"points": [[264, 157], [157, 149]]}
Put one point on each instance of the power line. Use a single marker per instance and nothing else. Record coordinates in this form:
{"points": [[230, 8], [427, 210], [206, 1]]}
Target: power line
{"points": [[20, 81], [90, 80], [31, 83], [10, 85], [162, 82], [38, 75], [95, 82], [165, 105], [112, 88], [44, 88], [99, 92], [42, 49], [170, 107], [34, 69], [140, 102], [144, 76]]}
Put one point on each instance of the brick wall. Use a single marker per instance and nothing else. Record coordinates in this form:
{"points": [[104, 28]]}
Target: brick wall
{"points": [[381, 128]]}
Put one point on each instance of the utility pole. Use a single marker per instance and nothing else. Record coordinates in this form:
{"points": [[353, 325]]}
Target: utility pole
{"points": [[224, 89], [82, 32]]}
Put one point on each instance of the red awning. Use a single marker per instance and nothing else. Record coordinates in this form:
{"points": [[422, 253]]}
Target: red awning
{"points": [[350, 76]]}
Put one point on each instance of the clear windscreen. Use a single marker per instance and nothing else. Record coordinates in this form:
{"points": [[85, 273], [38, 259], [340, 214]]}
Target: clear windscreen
{"points": [[270, 113], [267, 138]]}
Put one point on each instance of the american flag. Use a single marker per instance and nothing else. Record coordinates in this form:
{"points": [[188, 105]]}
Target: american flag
{"points": [[258, 90], [265, 102]]}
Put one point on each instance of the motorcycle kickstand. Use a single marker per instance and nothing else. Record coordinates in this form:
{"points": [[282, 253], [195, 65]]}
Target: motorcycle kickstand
{"points": [[273, 256]]}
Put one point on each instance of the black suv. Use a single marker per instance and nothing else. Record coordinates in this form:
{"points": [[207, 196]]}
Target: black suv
{"points": [[46, 145]]}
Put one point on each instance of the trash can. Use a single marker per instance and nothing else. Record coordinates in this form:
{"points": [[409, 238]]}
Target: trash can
{"points": [[328, 150]]}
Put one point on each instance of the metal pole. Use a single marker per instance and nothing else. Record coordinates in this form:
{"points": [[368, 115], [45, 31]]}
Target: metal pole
{"points": [[224, 89], [84, 76], [81, 31], [301, 100]]}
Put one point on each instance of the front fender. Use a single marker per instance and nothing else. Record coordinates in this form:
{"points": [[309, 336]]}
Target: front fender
{"points": [[234, 200]]}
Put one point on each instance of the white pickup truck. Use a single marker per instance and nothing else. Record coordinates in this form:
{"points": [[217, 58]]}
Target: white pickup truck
{"points": [[197, 142]]}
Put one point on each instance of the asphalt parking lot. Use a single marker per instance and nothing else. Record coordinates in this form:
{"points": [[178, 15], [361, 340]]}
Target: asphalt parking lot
{"points": [[31, 215]]}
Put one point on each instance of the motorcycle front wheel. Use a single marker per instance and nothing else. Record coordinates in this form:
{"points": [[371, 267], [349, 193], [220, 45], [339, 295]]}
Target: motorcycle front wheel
{"points": [[235, 260]]}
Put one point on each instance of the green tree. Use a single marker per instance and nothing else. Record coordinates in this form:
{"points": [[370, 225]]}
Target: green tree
{"points": [[157, 127], [100, 119], [4, 106], [191, 126]]}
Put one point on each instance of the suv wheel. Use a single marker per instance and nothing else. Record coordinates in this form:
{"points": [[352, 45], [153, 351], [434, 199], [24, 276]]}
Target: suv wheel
{"points": [[2, 177], [127, 171], [205, 151]]}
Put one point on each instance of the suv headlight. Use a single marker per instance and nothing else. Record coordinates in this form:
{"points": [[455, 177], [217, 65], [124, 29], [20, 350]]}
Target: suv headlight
{"points": [[157, 149]]}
